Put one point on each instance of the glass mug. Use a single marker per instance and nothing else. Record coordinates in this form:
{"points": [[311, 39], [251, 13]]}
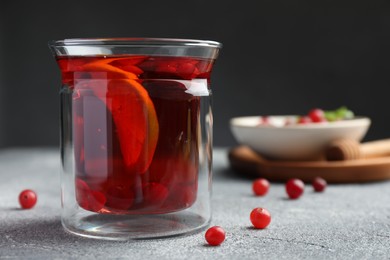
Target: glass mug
{"points": [[136, 136]]}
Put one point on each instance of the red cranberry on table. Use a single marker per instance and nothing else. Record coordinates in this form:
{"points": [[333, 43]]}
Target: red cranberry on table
{"points": [[260, 186], [260, 218], [319, 184], [27, 199], [294, 188], [215, 236]]}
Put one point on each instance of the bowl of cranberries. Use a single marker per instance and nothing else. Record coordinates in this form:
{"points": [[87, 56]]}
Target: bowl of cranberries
{"points": [[298, 137]]}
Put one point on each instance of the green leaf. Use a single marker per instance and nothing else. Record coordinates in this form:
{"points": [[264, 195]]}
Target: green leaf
{"points": [[339, 114]]}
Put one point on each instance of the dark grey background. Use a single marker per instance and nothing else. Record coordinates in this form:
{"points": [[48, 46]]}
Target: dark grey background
{"points": [[279, 57]]}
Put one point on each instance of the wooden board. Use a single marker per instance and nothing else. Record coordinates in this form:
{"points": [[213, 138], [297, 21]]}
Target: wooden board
{"points": [[247, 162]]}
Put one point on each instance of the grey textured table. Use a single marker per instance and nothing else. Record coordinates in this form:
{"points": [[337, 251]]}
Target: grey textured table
{"points": [[345, 222]]}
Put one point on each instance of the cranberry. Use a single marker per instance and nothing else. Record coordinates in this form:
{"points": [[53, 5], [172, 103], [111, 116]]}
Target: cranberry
{"points": [[260, 218], [27, 199], [317, 115], [89, 199], [96, 200], [186, 68], [120, 197], [304, 120], [260, 187], [295, 188], [215, 236], [264, 120], [155, 193], [319, 184]]}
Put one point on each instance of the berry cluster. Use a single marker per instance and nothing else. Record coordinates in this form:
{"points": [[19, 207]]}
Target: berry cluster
{"points": [[316, 115], [260, 217]]}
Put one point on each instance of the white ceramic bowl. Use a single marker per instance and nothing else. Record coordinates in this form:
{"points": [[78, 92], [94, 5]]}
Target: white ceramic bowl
{"points": [[294, 141]]}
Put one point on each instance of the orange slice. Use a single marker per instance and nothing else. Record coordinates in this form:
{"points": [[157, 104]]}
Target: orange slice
{"points": [[114, 72], [133, 113], [136, 121]]}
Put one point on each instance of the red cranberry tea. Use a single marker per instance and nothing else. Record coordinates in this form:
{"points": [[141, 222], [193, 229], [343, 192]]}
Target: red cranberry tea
{"points": [[135, 131]]}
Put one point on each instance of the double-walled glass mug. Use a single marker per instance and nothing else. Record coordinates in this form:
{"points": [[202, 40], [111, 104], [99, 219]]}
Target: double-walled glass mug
{"points": [[136, 136]]}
